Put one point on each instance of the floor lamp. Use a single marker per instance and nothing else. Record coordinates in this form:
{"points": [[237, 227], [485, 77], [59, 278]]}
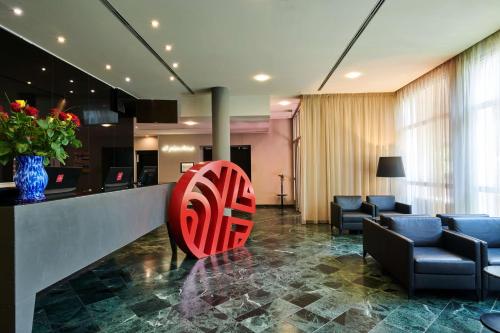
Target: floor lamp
{"points": [[390, 167]]}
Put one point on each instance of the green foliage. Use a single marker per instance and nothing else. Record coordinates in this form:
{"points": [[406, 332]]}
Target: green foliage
{"points": [[22, 134]]}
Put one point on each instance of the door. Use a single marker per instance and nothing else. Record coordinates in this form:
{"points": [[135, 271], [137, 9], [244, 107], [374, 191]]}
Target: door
{"points": [[240, 155], [146, 158]]}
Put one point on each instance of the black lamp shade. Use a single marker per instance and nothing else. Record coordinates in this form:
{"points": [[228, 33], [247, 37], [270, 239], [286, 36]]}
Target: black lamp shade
{"points": [[391, 166]]}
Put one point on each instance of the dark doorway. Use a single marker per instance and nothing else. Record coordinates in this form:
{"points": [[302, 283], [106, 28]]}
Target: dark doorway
{"points": [[240, 155], [146, 158]]}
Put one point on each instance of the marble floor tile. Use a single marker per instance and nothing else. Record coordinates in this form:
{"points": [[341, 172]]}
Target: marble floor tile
{"points": [[289, 278]]}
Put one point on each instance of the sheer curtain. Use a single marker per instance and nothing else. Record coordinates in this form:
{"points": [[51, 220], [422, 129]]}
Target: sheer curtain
{"points": [[476, 129], [422, 136], [341, 138]]}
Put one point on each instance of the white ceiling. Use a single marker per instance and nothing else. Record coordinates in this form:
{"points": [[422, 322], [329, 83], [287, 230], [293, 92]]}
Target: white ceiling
{"points": [[226, 42]]}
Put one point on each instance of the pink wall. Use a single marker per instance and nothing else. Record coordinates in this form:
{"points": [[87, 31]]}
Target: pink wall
{"points": [[271, 155]]}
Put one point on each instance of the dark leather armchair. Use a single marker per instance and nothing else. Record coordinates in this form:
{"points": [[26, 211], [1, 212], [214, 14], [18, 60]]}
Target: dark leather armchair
{"points": [[487, 230], [387, 205], [348, 212], [447, 218], [421, 255]]}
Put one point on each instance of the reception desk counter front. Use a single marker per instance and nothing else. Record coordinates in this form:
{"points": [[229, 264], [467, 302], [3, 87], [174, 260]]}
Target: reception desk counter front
{"points": [[42, 243]]}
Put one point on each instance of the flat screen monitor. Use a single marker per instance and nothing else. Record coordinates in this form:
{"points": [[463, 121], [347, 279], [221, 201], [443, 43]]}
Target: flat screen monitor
{"points": [[148, 176], [62, 180], [118, 178]]}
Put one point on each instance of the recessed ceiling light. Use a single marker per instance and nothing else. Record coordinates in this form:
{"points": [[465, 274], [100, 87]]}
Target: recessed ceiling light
{"points": [[106, 125], [29, 82], [353, 75], [92, 90], [168, 47], [61, 39], [155, 24], [127, 79], [71, 81], [285, 103], [71, 91], [108, 67], [261, 77], [44, 69], [175, 64], [172, 78], [190, 123], [17, 11]]}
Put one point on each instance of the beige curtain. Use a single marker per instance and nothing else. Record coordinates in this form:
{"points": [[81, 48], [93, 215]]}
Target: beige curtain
{"points": [[422, 136], [341, 138]]}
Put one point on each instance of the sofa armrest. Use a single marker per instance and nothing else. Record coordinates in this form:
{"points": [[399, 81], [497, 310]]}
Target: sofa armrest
{"points": [[335, 214], [392, 250], [462, 244], [403, 208], [368, 208]]}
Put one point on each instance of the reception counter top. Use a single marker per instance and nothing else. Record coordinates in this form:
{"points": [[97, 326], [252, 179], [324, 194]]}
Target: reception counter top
{"points": [[42, 243]]}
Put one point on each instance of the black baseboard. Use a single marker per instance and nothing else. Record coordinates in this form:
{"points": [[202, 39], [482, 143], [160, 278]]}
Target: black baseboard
{"points": [[275, 206]]}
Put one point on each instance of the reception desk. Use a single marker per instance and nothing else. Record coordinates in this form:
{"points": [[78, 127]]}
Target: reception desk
{"points": [[42, 243]]}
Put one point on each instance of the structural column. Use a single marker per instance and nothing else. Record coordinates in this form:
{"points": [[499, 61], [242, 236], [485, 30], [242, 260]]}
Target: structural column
{"points": [[221, 131]]}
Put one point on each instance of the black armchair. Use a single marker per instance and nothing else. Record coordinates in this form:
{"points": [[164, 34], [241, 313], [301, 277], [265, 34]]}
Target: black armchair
{"points": [[487, 231], [421, 255], [348, 212], [387, 204]]}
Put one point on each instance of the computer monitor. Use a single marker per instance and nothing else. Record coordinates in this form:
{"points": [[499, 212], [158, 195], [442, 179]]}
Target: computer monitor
{"points": [[118, 178], [62, 180], [148, 176]]}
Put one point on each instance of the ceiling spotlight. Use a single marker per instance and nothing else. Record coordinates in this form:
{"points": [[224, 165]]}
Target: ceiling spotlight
{"points": [[28, 82], [190, 123], [168, 47], [155, 24], [61, 39], [44, 69], [172, 78], [353, 75], [108, 67], [71, 81], [127, 79], [261, 77], [71, 91], [284, 103], [175, 64], [17, 11], [92, 91], [106, 125]]}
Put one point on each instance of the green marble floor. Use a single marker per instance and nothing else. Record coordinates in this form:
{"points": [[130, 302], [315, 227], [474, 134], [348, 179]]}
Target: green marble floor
{"points": [[289, 278]]}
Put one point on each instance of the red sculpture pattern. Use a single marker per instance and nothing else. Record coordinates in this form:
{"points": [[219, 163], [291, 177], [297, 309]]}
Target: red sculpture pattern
{"points": [[196, 213]]}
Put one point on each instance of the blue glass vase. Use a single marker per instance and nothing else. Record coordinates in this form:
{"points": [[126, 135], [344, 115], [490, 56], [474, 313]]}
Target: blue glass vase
{"points": [[31, 178]]}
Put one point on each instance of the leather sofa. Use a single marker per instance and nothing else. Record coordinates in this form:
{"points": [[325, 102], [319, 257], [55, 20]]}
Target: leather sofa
{"points": [[446, 218], [387, 205], [421, 255], [348, 212], [487, 231]]}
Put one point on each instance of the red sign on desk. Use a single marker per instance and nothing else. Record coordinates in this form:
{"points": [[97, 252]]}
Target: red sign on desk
{"points": [[196, 213], [60, 178], [119, 176]]}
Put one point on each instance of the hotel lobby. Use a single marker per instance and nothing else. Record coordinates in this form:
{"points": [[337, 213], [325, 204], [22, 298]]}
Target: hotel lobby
{"points": [[250, 166]]}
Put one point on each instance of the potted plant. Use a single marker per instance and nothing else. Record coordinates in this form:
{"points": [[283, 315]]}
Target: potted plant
{"points": [[33, 141]]}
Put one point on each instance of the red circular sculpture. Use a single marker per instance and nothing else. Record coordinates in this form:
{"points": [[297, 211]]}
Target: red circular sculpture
{"points": [[197, 218]]}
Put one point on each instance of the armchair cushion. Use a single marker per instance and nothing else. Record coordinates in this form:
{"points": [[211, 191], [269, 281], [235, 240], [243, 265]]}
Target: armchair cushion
{"points": [[383, 202], [446, 218], [348, 202], [494, 256], [486, 229], [435, 260], [355, 217], [423, 231]]}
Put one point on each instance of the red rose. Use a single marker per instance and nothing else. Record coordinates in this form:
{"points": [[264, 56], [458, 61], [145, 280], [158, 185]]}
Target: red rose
{"points": [[15, 106], [31, 111], [4, 116], [54, 112], [63, 115], [75, 119]]}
